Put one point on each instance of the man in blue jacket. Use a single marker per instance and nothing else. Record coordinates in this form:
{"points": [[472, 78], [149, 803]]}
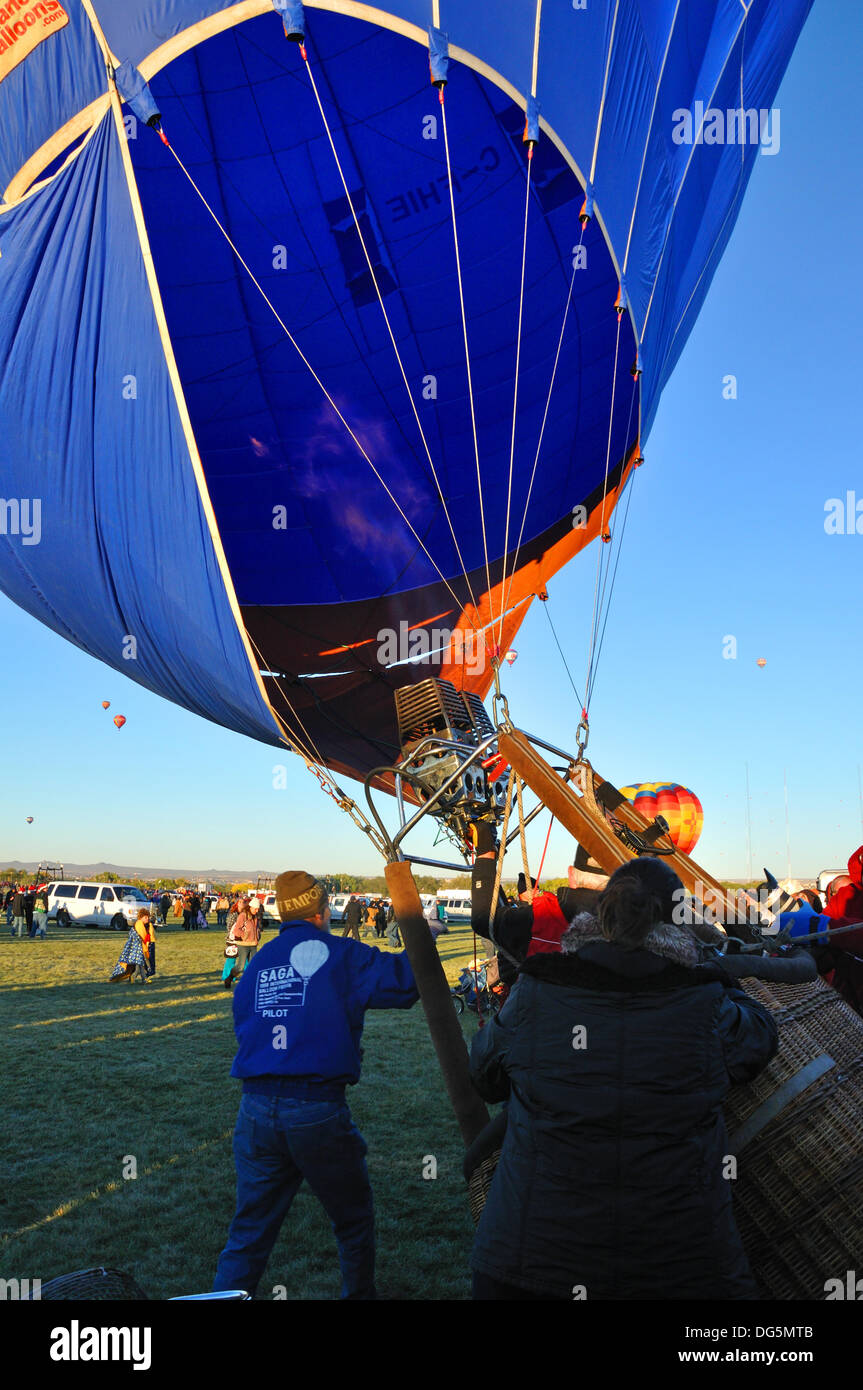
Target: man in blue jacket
{"points": [[299, 1011]]}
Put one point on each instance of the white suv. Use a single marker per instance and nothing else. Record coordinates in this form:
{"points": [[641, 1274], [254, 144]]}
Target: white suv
{"points": [[112, 905]]}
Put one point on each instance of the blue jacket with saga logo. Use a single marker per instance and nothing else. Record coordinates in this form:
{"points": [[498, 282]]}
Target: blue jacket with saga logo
{"points": [[300, 1005]]}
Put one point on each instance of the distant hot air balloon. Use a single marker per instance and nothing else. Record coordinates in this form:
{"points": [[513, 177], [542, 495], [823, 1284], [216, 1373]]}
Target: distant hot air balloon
{"points": [[308, 957], [119, 720], [677, 804], [762, 661], [510, 657], [106, 704], [29, 820]]}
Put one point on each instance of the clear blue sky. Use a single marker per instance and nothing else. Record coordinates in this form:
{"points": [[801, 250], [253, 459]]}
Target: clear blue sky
{"points": [[725, 537]]}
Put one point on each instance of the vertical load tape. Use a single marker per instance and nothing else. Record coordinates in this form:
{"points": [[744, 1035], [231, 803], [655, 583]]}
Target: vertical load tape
{"points": [[438, 56], [531, 122], [293, 19], [136, 94]]}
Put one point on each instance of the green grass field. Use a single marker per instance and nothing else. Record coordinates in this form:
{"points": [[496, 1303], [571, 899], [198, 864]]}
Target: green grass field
{"points": [[98, 1075]]}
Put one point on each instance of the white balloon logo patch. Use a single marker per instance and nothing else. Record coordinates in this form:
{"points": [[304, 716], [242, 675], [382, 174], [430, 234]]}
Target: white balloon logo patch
{"points": [[308, 957], [283, 987]]}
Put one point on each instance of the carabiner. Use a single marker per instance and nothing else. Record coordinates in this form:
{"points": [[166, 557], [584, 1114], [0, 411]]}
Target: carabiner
{"points": [[582, 734]]}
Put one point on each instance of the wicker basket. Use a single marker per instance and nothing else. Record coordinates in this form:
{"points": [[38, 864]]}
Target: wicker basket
{"points": [[479, 1183], [798, 1195]]}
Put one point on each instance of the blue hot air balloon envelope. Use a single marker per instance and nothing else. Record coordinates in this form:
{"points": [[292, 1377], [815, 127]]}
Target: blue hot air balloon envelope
{"points": [[200, 398]]}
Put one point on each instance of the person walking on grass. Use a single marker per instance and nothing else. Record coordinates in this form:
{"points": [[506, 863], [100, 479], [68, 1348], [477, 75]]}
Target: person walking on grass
{"points": [[133, 960], [380, 920], [246, 932], [19, 918], [353, 917], [256, 908], [299, 1012], [40, 914], [393, 936], [151, 953]]}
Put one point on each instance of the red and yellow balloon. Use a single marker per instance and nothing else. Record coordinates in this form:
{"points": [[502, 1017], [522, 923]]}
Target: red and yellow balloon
{"points": [[678, 805]]}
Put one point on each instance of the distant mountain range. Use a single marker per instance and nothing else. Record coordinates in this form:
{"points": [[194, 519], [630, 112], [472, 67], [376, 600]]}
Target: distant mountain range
{"points": [[138, 871]]}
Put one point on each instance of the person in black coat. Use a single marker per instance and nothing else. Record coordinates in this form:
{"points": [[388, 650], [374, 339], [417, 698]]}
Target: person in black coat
{"points": [[19, 912], [353, 917], [615, 1056]]}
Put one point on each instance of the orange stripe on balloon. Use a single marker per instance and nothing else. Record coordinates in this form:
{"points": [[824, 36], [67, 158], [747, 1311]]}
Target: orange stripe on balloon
{"points": [[521, 588], [352, 646]]}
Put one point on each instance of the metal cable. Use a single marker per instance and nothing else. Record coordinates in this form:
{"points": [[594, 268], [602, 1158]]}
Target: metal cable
{"points": [[388, 324], [515, 389], [292, 340], [542, 426], [604, 497], [466, 346]]}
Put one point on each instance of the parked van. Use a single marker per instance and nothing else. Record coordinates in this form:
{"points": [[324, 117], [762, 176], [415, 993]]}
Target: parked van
{"points": [[455, 903], [111, 905]]}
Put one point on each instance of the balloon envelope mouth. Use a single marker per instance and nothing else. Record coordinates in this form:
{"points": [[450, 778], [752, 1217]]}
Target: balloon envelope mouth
{"points": [[321, 551]]}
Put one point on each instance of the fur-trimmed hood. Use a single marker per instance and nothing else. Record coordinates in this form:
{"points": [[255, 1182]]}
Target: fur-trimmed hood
{"points": [[673, 943], [669, 959]]}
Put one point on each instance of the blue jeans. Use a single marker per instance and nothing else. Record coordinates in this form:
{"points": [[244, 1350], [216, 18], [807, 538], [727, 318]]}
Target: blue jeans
{"points": [[278, 1142]]}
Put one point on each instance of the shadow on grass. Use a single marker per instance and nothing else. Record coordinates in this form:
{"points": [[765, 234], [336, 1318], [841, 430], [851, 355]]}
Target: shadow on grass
{"points": [[154, 1087]]}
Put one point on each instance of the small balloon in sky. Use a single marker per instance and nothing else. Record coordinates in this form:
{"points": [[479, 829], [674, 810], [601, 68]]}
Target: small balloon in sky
{"points": [[762, 661], [106, 704], [510, 657], [29, 820], [119, 720]]}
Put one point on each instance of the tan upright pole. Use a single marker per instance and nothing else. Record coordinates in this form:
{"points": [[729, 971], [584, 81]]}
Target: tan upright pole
{"points": [[445, 1029], [585, 822], [596, 835]]}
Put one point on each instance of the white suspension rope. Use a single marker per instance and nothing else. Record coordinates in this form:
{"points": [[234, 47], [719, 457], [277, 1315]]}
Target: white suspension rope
{"points": [[315, 764], [292, 340], [388, 324], [528, 890], [501, 853], [602, 515], [630, 486], [466, 346], [647, 138], [544, 419], [311, 752], [515, 388], [599, 609]]}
